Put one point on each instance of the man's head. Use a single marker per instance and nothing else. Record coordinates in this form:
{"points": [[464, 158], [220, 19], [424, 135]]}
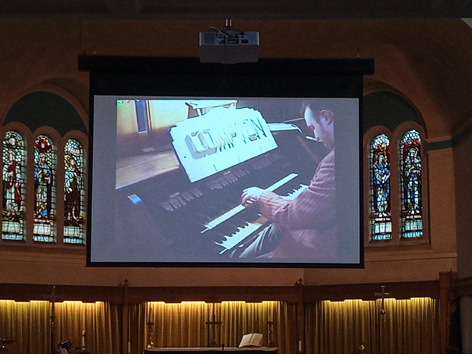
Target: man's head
{"points": [[321, 121]]}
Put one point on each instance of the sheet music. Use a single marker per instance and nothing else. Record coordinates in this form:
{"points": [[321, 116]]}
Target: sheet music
{"points": [[219, 139]]}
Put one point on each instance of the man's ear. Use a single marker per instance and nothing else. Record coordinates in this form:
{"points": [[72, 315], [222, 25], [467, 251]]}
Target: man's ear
{"points": [[327, 115]]}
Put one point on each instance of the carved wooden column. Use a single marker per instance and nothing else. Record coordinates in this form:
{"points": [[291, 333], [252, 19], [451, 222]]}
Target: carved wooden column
{"points": [[447, 296], [125, 320], [300, 318]]}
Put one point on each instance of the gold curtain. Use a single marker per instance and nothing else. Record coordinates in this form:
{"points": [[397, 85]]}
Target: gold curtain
{"points": [[29, 325], [99, 320], [411, 326], [185, 324], [407, 327]]}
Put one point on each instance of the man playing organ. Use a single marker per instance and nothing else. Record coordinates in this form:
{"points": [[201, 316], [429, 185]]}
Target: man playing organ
{"points": [[304, 226]]}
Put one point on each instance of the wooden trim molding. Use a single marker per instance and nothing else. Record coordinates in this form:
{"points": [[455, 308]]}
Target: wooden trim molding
{"points": [[290, 294]]}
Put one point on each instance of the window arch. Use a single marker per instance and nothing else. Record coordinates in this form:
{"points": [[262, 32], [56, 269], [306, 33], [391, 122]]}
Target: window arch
{"points": [[44, 177], [46, 109], [380, 206], [14, 186], [74, 192], [45, 139], [395, 168], [410, 183]]}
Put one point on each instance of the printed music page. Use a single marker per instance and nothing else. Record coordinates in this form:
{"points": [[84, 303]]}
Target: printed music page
{"points": [[219, 139], [251, 340]]}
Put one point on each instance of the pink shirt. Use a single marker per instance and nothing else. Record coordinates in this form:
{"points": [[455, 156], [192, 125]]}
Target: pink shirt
{"points": [[309, 220]]}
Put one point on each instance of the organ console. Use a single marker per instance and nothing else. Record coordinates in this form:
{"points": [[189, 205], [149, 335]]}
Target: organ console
{"points": [[195, 211]]}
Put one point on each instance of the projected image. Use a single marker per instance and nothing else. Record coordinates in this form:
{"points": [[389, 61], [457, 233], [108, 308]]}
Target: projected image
{"points": [[227, 180], [219, 139], [216, 137]]}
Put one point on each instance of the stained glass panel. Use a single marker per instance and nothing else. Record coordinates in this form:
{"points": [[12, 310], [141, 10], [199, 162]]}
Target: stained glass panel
{"points": [[44, 190], [380, 209], [74, 193], [14, 186], [411, 171]]}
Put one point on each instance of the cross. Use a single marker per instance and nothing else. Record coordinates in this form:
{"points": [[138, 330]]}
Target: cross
{"points": [[213, 324], [382, 295], [270, 330], [53, 298], [382, 312], [150, 344]]}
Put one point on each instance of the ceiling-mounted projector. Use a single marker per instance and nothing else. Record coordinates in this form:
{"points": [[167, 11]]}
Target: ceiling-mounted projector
{"points": [[228, 46]]}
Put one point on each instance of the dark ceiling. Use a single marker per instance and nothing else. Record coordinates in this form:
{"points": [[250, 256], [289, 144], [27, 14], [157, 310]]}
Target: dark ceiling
{"points": [[241, 9]]}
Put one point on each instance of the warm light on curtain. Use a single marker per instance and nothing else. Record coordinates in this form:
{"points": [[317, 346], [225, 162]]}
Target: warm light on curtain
{"points": [[411, 326], [99, 321], [407, 327], [185, 324], [29, 325]]}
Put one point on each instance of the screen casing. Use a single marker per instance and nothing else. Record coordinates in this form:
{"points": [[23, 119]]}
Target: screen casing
{"points": [[274, 88]]}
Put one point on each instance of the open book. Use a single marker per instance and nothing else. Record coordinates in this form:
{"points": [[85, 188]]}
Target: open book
{"points": [[251, 340]]}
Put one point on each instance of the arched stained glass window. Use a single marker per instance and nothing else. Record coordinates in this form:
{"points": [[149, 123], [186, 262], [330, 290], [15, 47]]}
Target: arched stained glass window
{"points": [[380, 208], [394, 133], [44, 201], [14, 186], [410, 181], [44, 190], [74, 193]]}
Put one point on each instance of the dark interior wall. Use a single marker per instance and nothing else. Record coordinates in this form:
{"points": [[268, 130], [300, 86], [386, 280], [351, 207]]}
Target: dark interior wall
{"points": [[410, 57]]}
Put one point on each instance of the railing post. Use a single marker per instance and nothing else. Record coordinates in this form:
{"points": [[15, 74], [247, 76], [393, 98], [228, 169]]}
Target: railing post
{"points": [[125, 319]]}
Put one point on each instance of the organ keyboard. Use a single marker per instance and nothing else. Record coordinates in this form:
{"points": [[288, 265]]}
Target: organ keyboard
{"points": [[205, 220], [237, 239], [201, 221], [239, 208]]}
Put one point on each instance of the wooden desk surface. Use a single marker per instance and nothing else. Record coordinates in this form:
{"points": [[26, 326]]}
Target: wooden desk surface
{"points": [[213, 350]]}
